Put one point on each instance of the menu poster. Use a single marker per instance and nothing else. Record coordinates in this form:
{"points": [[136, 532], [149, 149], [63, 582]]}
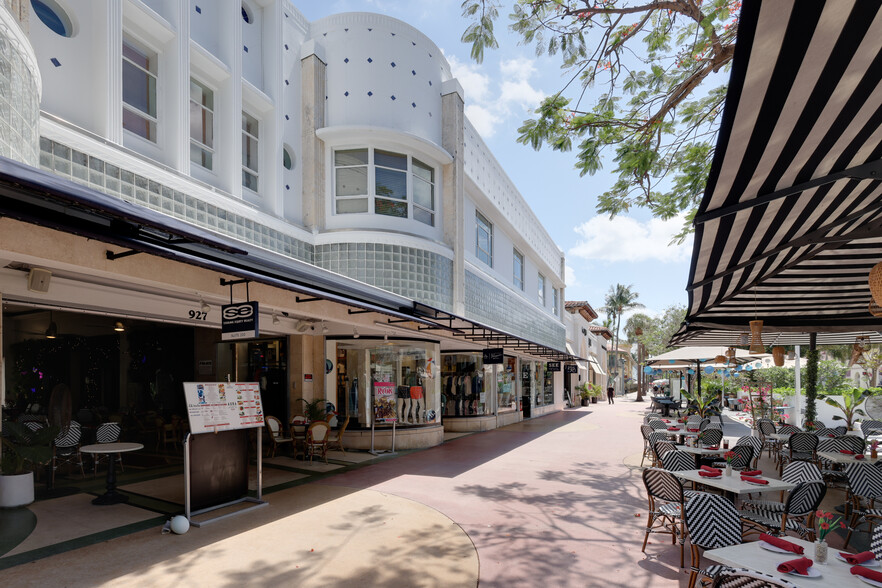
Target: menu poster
{"points": [[223, 406], [384, 402]]}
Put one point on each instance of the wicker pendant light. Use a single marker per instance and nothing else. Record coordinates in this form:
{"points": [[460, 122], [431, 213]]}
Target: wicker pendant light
{"points": [[875, 281], [857, 350], [874, 308], [778, 355], [756, 337], [721, 359]]}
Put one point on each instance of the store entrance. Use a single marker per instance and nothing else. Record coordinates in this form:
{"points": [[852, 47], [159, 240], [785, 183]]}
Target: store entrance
{"points": [[263, 361]]}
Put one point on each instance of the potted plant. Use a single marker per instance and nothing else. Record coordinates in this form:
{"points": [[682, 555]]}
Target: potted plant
{"points": [[315, 410], [584, 393], [851, 399], [595, 392], [22, 450]]}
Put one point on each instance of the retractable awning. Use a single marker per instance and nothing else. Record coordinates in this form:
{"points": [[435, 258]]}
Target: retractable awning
{"points": [[595, 365], [791, 219]]}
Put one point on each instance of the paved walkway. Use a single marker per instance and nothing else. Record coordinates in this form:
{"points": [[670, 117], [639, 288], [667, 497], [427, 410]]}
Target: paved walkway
{"points": [[553, 501]]}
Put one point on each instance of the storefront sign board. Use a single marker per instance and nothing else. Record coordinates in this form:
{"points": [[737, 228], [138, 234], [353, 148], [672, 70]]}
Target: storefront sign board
{"points": [[384, 402], [571, 368], [553, 366], [493, 355], [223, 406], [239, 321]]}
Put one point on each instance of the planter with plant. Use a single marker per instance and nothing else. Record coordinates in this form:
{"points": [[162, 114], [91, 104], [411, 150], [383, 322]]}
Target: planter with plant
{"points": [[314, 410], [23, 449], [584, 393], [851, 400]]}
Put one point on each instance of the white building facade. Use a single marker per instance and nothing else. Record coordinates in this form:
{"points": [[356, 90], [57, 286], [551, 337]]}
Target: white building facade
{"points": [[336, 150]]}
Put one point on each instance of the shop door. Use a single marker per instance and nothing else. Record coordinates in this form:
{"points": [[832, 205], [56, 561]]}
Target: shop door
{"points": [[262, 361]]}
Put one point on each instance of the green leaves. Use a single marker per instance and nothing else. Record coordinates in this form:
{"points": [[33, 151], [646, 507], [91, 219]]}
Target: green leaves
{"points": [[480, 33]]}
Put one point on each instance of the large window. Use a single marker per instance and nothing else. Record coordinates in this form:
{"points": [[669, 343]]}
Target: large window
{"points": [[518, 271], [484, 239], [541, 290], [250, 137], [389, 181], [464, 383], [139, 90], [201, 125]]}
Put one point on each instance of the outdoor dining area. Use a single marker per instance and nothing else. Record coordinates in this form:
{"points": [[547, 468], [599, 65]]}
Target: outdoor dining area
{"points": [[781, 506]]}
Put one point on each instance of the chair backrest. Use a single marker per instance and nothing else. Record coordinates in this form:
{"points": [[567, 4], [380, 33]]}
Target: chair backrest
{"points": [[693, 419], [743, 456], [704, 423], [318, 432], [108, 433], [662, 485], [864, 480], [662, 447], [69, 437], [788, 429], [824, 432], [678, 461], [803, 442], [33, 425], [711, 437], [646, 430], [766, 427], [744, 578], [343, 427], [298, 419], [868, 427], [805, 498], [876, 542], [841, 430], [713, 425], [658, 425], [712, 521], [275, 426], [754, 442], [852, 442], [801, 471], [651, 417], [656, 437]]}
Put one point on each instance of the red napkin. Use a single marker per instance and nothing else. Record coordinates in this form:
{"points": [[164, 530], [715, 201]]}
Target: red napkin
{"points": [[705, 474], [693, 430], [667, 421], [673, 428], [800, 566], [754, 480], [857, 558], [846, 451], [710, 469], [867, 573], [782, 544], [752, 473], [832, 436], [859, 456], [712, 447]]}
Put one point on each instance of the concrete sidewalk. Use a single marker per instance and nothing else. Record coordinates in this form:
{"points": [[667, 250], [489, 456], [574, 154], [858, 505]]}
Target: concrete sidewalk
{"points": [[550, 501]]}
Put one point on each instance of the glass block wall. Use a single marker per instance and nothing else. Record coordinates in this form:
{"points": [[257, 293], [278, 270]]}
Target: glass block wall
{"points": [[19, 94], [495, 307]]}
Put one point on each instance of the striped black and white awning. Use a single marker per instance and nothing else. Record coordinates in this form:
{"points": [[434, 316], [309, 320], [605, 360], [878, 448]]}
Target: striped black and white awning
{"points": [[791, 219]]}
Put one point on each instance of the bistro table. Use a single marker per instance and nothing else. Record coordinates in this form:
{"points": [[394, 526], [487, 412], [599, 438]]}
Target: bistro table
{"points": [[665, 402], [111, 496], [844, 458], [734, 484], [750, 555]]}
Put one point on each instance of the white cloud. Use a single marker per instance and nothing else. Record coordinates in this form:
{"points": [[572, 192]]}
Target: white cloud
{"points": [[491, 97], [626, 239], [571, 280]]}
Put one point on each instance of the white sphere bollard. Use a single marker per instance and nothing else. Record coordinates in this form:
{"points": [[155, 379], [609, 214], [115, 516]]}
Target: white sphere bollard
{"points": [[180, 524]]}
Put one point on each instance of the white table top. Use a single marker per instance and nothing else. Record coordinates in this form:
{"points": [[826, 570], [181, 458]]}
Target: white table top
{"points": [[837, 457], [779, 436], [111, 447], [701, 450], [734, 483], [752, 556]]}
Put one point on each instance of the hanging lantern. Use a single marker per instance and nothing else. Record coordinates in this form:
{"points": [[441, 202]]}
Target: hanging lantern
{"points": [[737, 368], [709, 370], [744, 339], [749, 368], [875, 309], [778, 355], [647, 370], [730, 353], [857, 350], [875, 281], [756, 337], [690, 371], [721, 359]]}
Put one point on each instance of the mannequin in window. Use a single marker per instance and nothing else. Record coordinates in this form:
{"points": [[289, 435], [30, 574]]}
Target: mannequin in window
{"points": [[403, 404]]}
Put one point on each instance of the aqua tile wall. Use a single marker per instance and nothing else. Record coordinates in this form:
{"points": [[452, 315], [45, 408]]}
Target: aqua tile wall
{"points": [[495, 307], [19, 100], [420, 275]]}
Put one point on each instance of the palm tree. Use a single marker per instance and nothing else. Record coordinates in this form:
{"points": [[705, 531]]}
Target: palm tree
{"points": [[619, 300]]}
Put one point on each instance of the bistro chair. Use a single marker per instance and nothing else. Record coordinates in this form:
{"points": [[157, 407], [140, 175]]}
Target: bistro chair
{"points": [[666, 500], [754, 443], [766, 427], [317, 440], [703, 424], [677, 461], [865, 483], [658, 425], [654, 438], [800, 446], [66, 448], [832, 472], [298, 434], [742, 459], [788, 429], [275, 434], [796, 472], [645, 432], [822, 432], [876, 542], [712, 522], [694, 421], [797, 516], [744, 578], [711, 437], [107, 433], [659, 449], [870, 427], [335, 438], [651, 417]]}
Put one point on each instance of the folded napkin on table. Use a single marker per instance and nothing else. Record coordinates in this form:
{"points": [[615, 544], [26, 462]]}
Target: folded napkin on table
{"points": [[673, 428], [859, 456], [832, 436], [846, 451], [665, 421], [800, 566], [867, 573], [705, 474], [712, 447], [858, 558], [754, 480], [693, 430], [710, 469], [752, 473], [782, 543]]}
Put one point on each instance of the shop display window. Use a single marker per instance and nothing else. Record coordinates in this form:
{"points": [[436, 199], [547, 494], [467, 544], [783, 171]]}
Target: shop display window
{"points": [[464, 385], [506, 384], [548, 385], [527, 379], [364, 366]]}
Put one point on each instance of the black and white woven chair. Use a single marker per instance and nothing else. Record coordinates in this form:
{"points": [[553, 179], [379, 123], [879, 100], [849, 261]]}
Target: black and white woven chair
{"points": [[711, 437], [801, 446], [666, 501], [742, 460], [766, 427], [825, 432], [754, 443], [658, 425], [876, 542], [66, 448], [833, 473], [659, 449], [870, 427], [704, 423], [646, 431], [107, 433], [744, 578], [678, 461], [795, 473], [798, 514], [693, 421], [865, 484], [788, 429], [712, 522]]}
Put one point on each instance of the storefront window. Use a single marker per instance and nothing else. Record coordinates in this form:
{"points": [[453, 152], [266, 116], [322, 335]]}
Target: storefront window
{"points": [[548, 385], [363, 367], [464, 385], [527, 379], [539, 383], [506, 384]]}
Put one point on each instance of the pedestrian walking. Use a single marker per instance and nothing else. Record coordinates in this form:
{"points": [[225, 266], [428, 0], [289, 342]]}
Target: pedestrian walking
{"points": [[610, 395]]}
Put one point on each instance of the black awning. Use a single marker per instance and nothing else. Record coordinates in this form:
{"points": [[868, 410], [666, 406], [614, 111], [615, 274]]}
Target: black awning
{"points": [[791, 219]]}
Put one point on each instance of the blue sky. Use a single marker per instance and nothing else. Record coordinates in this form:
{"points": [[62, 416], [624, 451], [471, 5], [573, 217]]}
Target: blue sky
{"points": [[500, 95]]}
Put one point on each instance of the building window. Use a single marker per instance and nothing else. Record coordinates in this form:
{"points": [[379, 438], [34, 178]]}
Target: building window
{"points": [[246, 14], [484, 243], [391, 180], [201, 125], [139, 90], [287, 158], [250, 136], [518, 264], [541, 290], [53, 16], [555, 301]]}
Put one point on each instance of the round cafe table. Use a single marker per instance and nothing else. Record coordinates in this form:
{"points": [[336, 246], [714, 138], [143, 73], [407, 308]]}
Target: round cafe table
{"points": [[111, 496]]}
